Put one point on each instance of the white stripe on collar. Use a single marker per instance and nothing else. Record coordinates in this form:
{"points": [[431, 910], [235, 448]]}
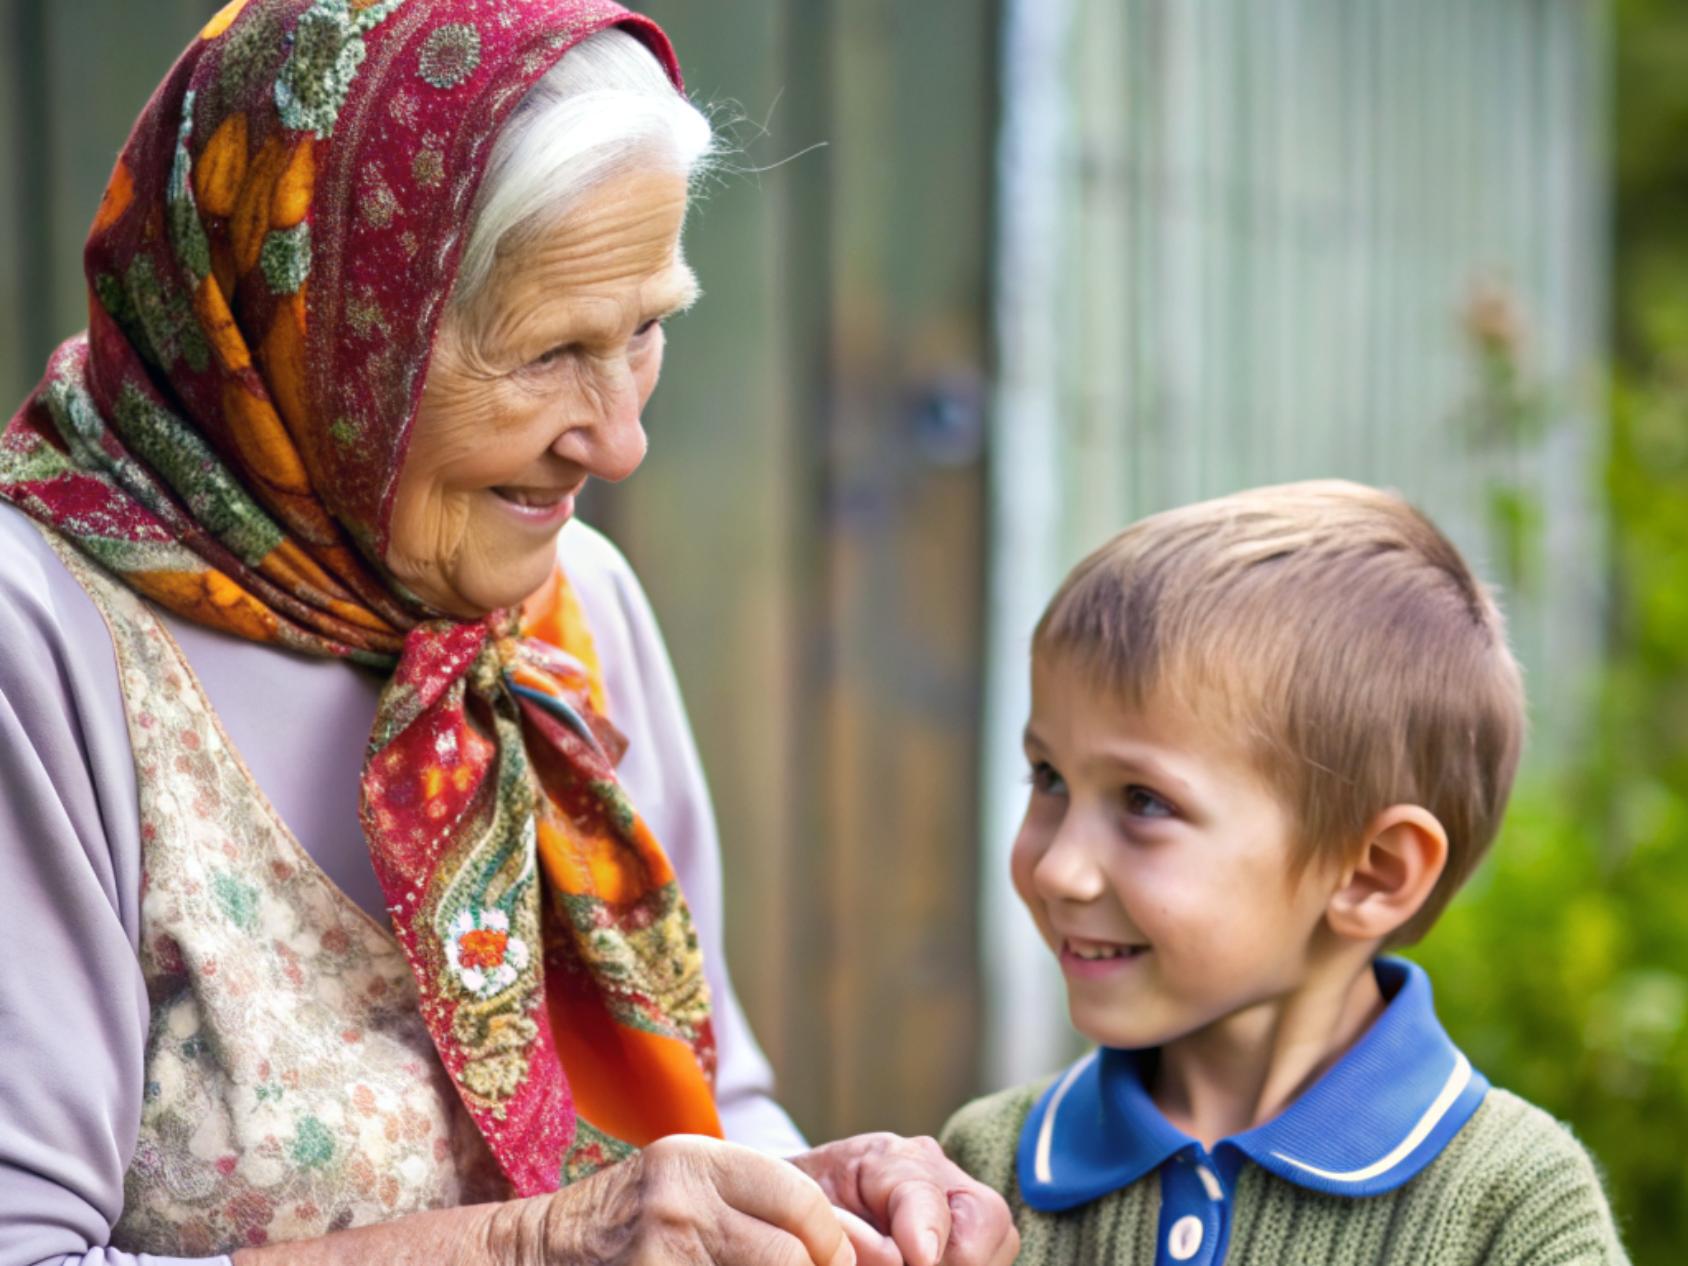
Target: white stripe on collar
{"points": [[1046, 1136], [1451, 1090]]}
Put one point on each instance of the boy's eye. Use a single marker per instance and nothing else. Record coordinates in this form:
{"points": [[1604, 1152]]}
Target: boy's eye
{"points": [[1045, 781], [1140, 802]]}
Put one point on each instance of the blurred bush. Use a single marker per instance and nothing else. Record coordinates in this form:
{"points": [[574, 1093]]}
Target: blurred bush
{"points": [[1564, 970]]}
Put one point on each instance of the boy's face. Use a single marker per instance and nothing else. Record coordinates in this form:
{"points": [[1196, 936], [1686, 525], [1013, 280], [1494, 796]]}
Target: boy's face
{"points": [[1157, 865]]}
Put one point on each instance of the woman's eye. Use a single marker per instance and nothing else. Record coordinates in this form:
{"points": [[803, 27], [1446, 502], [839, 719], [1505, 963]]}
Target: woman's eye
{"points": [[1044, 779], [647, 327], [552, 355], [1140, 802]]}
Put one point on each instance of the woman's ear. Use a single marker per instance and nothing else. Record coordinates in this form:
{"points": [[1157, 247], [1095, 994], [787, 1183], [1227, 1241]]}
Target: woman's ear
{"points": [[1394, 874]]}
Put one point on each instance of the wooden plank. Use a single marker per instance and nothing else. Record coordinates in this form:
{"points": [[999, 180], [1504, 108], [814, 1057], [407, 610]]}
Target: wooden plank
{"points": [[910, 187], [23, 208], [102, 59], [77, 75]]}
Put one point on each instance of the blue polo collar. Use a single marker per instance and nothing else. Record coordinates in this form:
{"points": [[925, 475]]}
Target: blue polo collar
{"points": [[1383, 1112]]}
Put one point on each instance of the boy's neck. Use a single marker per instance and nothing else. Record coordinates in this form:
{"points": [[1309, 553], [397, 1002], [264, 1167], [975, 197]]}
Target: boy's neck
{"points": [[1245, 1069]]}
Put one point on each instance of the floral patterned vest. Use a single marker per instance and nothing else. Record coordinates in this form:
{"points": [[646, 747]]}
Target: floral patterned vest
{"points": [[291, 1087]]}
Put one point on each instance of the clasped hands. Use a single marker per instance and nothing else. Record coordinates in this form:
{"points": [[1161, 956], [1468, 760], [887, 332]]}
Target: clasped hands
{"points": [[871, 1200]]}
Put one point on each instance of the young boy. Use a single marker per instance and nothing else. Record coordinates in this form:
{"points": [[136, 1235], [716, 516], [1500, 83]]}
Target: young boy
{"points": [[1271, 736]]}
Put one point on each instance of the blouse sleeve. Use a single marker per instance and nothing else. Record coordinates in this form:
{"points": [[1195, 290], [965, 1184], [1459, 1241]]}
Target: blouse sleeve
{"points": [[73, 1006], [663, 774]]}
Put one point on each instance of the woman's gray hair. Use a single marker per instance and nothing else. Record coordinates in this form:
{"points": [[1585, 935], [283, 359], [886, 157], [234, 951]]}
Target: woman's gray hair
{"points": [[608, 106]]}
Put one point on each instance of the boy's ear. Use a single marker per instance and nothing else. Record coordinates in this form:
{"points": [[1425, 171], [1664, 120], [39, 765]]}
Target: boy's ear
{"points": [[1403, 856]]}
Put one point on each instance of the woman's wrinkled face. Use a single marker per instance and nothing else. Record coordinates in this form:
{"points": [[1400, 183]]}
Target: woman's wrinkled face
{"points": [[536, 390]]}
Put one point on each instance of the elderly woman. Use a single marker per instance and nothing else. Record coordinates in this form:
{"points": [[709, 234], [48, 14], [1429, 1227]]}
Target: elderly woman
{"points": [[362, 883]]}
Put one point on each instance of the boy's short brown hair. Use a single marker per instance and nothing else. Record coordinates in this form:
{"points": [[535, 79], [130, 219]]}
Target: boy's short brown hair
{"points": [[1341, 633]]}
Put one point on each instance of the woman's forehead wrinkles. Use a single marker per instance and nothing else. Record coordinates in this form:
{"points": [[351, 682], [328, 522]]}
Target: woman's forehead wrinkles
{"points": [[636, 213], [570, 276], [614, 251]]}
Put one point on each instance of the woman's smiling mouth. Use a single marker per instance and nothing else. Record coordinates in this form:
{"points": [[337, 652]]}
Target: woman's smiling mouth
{"points": [[540, 507]]}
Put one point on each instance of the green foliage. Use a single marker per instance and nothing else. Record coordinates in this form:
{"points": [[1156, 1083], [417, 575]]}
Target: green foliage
{"points": [[1507, 411], [1564, 969], [1561, 974]]}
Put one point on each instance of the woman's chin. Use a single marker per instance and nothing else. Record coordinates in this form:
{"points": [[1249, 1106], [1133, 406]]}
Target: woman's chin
{"points": [[493, 581], [508, 586]]}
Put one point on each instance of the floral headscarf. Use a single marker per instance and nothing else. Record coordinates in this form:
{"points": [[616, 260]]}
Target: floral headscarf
{"points": [[267, 271]]}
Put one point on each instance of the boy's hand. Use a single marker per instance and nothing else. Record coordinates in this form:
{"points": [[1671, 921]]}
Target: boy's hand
{"points": [[932, 1210]]}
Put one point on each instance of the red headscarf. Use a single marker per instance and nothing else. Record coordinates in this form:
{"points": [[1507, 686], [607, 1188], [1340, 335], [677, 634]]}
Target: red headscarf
{"points": [[267, 272]]}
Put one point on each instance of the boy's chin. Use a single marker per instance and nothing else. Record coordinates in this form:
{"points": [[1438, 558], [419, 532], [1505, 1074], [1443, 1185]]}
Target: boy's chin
{"points": [[1124, 1028]]}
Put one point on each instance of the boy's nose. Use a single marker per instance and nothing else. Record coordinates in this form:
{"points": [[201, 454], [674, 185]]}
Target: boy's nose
{"points": [[1067, 871]]}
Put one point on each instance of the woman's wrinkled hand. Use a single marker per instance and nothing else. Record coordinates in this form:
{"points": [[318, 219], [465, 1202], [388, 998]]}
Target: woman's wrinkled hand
{"points": [[933, 1211], [682, 1200]]}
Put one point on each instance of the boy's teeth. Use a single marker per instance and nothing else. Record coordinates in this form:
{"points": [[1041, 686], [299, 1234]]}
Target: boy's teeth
{"points": [[1099, 951]]}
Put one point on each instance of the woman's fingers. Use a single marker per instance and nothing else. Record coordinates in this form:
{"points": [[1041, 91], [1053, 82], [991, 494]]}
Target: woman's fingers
{"points": [[741, 1240], [683, 1201], [781, 1196]]}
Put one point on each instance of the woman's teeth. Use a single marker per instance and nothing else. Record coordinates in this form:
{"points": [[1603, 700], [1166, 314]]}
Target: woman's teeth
{"points": [[540, 498]]}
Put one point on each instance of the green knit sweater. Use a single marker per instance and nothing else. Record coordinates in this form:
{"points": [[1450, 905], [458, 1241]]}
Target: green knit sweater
{"points": [[1512, 1188]]}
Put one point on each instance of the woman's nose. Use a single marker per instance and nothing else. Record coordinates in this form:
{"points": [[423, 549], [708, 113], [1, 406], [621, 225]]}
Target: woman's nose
{"points": [[612, 444]]}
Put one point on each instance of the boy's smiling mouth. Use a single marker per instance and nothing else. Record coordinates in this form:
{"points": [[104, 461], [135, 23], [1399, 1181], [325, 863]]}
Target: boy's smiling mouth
{"points": [[1085, 956]]}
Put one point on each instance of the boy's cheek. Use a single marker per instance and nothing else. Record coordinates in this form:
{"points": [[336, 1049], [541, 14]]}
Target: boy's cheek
{"points": [[1022, 865]]}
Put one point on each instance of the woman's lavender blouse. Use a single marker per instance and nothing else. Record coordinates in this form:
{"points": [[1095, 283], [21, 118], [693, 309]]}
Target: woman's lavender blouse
{"points": [[73, 1008]]}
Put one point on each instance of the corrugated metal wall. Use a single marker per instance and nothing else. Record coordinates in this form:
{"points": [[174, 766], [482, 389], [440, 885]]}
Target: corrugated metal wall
{"points": [[1280, 239]]}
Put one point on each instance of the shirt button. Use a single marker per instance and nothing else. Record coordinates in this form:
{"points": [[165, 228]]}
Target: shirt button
{"points": [[1185, 1240]]}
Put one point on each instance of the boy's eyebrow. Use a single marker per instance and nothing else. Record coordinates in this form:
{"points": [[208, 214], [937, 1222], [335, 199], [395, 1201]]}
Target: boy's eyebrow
{"points": [[1152, 770]]}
